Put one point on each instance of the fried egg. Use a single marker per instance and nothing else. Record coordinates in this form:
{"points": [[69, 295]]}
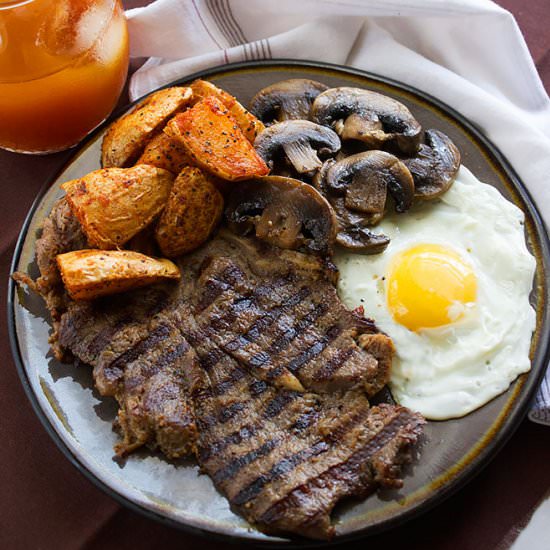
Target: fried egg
{"points": [[452, 290]]}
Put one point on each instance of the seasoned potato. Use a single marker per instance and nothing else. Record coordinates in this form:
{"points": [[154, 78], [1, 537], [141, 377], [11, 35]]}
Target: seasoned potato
{"points": [[165, 152], [128, 136], [194, 209], [215, 142], [113, 204], [247, 122], [88, 274]]}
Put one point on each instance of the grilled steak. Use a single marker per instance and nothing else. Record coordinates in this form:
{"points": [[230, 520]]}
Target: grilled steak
{"points": [[252, 363], [286, 324], [140, 357], [285, 458], [61, 232]]}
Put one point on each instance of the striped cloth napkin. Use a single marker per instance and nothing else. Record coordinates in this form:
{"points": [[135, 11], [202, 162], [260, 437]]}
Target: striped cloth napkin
{"points": [[468, 53]]}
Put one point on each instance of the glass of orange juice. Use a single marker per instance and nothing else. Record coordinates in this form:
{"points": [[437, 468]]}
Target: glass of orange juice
{"points": [[63, 64]]}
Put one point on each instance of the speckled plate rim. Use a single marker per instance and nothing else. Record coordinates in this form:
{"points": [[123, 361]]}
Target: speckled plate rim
{"points": [[501, 430]]}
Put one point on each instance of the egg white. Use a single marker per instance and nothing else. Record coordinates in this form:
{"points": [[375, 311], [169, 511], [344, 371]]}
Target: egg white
{"points": [[449, 371]]}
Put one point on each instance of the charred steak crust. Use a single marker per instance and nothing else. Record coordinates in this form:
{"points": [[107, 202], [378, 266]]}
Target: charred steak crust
{"points": [[252, 364]]}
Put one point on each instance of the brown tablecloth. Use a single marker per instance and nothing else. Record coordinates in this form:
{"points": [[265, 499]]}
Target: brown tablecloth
{"points": [[45, 503]]}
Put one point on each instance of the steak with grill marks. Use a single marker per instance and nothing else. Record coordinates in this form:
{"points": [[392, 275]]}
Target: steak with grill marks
{"points": [[284, 459], [251, 363], [283, 326], [139, 355]]}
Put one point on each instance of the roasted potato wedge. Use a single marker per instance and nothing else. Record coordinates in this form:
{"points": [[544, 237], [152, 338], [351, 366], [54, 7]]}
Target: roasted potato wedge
{"points": [[88, 274], [194, 209], [127, 137], [214, 141], [114, 204], [165, 152], [247, 122]]}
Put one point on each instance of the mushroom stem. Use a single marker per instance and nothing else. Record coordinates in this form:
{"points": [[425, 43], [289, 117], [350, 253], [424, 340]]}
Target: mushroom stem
{"points": [[366, 194], [298, 140], [302, 156]]}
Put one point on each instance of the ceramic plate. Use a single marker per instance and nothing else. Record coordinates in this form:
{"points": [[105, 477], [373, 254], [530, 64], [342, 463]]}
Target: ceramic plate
{"points": [[80, 420]]}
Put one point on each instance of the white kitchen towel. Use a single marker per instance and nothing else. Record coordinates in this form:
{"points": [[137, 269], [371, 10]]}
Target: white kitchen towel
{"points": [[469, 54]]}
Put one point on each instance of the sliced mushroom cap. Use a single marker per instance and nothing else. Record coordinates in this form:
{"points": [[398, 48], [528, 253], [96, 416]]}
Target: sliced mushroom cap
{"points": [[435, 166], [286, 100], [365, 178], [283, 212], [357, 187], [367, 116], [300, 140], [362, 240]]}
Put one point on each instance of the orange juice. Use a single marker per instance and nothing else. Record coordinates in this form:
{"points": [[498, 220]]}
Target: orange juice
{"points": [[63, 64]]}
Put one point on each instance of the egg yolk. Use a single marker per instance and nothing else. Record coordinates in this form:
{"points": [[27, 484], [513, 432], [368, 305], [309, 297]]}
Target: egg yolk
{"points": [[428, 285]]}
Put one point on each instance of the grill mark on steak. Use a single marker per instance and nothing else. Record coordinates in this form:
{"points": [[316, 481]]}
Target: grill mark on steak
{"points": [[106, 335], [304, 421], [231, 469], [232, 275], [206, 421], [281, 343], [278, 403], [230, 412], [342, 470], [257, 387], [210, 358], [161, 363], [266, 321], [234, 438], [170, 356], [287, 463], [225, 385], [153, 338], [213, 289], [331, 334], [272, 409], [239, 305], [215, 286], [282, 467], [337, 361]]}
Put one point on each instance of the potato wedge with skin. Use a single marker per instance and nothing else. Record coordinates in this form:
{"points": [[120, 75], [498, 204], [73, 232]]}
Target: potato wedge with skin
{"points": [[165, 152], [128, 136], [193, 211], [89, 274], [114, 204], [247, 122], [214, 141]]}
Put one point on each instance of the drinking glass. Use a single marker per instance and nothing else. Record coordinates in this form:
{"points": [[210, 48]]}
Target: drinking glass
{"points": [[63, 64]]}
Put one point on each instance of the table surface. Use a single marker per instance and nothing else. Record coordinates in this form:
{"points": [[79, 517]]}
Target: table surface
{"points": [[47, 504]]}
